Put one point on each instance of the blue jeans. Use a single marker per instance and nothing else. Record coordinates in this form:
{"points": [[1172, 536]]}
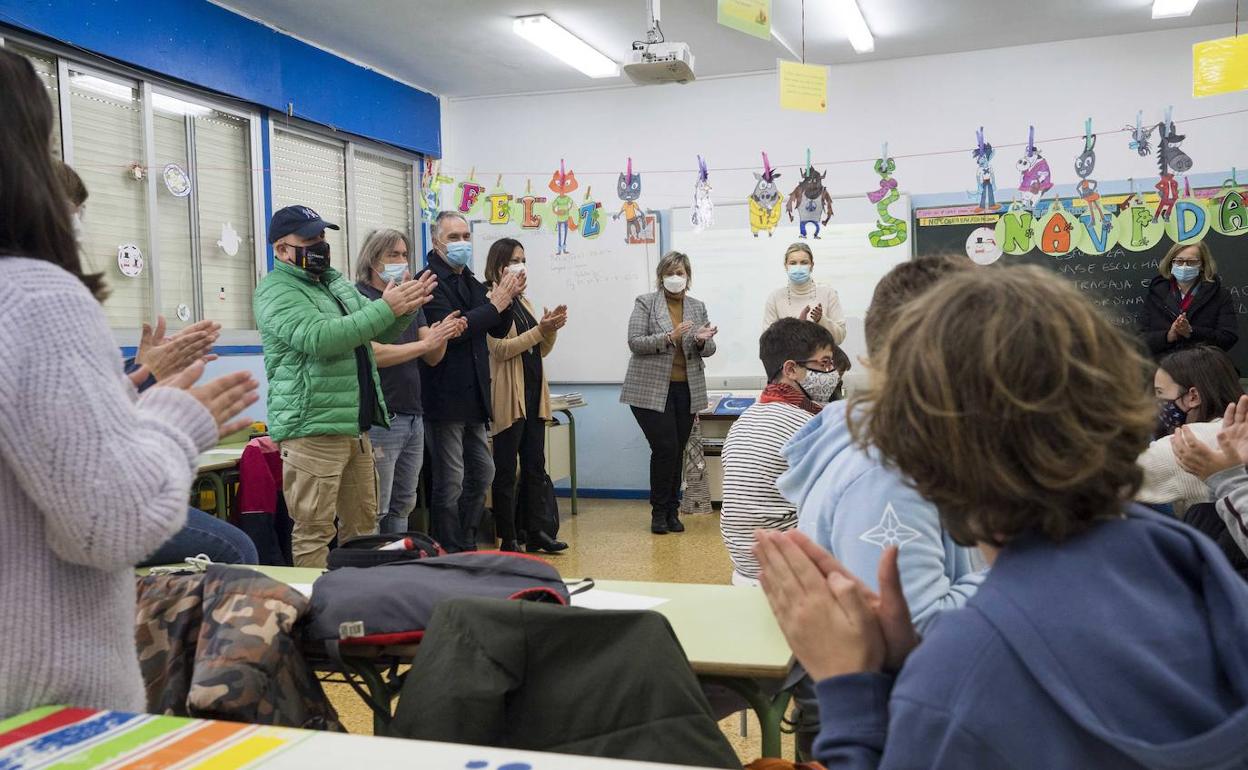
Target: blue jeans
{"points": [[204, 533], [462, 471], [399, 453]]}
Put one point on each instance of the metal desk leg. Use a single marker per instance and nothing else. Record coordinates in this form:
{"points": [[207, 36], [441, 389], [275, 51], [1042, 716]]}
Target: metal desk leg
{"points": [[571, 453], [770, 709], [379, 693]]}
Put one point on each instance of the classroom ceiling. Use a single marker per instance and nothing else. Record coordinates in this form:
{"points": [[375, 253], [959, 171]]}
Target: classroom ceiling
{"points": [[460, 48]]}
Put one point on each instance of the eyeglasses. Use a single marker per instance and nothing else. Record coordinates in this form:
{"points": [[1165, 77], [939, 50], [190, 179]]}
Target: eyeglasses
{"points": [[1186, 262], [819, 364]]}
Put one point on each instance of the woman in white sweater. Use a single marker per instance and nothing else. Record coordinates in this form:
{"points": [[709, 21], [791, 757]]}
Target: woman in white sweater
{"points": [[92, 477], [801, 297], [1193, 387]]}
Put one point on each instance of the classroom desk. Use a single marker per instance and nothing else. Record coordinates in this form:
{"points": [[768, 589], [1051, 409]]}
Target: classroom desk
{"points": [[85, 739], [214, 465], [728, 633]]}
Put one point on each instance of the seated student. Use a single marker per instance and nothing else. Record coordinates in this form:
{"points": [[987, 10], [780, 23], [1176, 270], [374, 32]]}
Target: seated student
{"points": [[799, 359], [854, 505], [1193, 387], [1105, 635], [93, 477]]}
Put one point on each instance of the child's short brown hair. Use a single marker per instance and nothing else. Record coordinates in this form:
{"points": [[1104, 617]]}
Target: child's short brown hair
{"points": [[1012, 404], [900, 285]]}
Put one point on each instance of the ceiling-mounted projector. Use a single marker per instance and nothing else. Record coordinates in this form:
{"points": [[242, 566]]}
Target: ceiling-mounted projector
{"points": [[655, 60]]}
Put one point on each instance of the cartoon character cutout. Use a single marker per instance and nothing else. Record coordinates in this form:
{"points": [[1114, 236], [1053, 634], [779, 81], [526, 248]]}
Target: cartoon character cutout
{"points": [[1084, 165], [702, 213], [562, 208], [1037, 179], [889, 230], [431, 190], [1140, 141], [628, 188], [812, 201], [1170, 159], [765, 200], [985, 177]]}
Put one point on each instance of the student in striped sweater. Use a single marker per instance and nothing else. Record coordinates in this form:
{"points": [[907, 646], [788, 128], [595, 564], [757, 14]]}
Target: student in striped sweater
{"points": [[799, 358]]}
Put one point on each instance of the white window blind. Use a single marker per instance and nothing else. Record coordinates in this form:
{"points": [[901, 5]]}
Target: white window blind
{"points": [[307, 172], [45, 67], [107, 122], [383, 198], [223, 187], [173, 217]]}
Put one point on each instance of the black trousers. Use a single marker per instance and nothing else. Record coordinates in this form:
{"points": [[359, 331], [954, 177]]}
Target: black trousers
{"points": [[526, 438], [667, 433]]}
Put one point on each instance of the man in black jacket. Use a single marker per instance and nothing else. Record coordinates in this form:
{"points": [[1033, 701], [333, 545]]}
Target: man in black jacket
{"points": [[456, 394]]}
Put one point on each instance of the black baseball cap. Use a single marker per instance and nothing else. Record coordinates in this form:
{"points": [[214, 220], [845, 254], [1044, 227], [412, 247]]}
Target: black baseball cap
{"points": [[298, 220]]}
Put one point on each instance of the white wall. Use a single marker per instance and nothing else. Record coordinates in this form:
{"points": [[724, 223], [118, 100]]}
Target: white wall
{"points": [[918, 105]]}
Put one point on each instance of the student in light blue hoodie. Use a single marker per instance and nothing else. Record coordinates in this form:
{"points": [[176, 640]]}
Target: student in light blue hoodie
{"points": [[855, 506], [1104, 636]]}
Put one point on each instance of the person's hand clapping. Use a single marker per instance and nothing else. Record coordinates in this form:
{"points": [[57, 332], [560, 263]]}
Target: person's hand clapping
{"points": [[224, 397], [448, 328], [1233, 439], [165, 356], [678, 333], [705, 333], [509, 286], [408, 297], [816, 313], [1183, 326], [1198, 458], [827, 619], [553, 320]]}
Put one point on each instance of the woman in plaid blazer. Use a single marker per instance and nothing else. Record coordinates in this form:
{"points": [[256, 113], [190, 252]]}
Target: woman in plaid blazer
{"points": [[669, 335]]}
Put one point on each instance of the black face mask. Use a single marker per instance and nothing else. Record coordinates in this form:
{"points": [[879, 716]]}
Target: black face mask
{"points": [[314, 258]]}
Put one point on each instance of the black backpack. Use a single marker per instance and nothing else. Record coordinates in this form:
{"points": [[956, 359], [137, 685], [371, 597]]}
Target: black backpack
{"points": [[364, 551], [547, 516]]}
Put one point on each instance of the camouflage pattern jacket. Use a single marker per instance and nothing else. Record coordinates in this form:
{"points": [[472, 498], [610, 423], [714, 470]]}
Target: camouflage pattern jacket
{"points": [[225, 645]]}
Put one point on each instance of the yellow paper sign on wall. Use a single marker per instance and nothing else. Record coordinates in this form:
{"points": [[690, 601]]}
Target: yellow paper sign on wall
{"points": [[753, 17], [1220, 66], [803, 87]]}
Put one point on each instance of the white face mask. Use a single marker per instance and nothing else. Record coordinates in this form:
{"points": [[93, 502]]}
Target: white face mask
{"points": [[820, 386], [675, 284], [516, 269]]}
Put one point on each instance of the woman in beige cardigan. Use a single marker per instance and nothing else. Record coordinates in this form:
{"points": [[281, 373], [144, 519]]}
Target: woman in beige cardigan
{"points": [[521, 401]]}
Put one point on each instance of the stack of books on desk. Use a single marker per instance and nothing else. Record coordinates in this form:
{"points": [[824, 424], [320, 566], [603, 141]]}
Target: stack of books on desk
{"points": [[566, 400]]}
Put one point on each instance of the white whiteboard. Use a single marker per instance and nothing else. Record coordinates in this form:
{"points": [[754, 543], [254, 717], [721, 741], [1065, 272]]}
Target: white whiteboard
{"points": [[598, 281], [734, 272]]}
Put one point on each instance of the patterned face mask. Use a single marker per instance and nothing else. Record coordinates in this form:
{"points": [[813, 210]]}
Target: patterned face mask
{"points": [[820, 386], [1172, 415]]}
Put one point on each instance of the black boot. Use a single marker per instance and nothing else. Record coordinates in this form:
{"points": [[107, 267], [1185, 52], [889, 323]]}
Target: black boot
{"points": [[658, 523], [510, 546], [543, 542], [673, 523]]}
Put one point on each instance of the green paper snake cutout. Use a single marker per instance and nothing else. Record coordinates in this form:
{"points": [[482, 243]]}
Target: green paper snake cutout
{"points": [[889, 230]]}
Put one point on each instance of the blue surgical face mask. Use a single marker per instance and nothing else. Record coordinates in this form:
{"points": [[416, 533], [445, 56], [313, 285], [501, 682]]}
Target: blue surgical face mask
{"points": [[1185, 273], [799, 274], [393, 273], [459, 253]]}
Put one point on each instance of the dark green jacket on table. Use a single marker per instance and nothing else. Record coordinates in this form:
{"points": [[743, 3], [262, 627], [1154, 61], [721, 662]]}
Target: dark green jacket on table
{"points": [[310, 329]]}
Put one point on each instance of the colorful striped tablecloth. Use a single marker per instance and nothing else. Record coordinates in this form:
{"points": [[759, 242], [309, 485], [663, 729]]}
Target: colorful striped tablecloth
{"points": [[59, 738]]}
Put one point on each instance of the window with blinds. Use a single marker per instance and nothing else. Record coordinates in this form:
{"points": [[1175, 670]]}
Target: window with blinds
{"points": [[45, 68], [107, 141], [383, 198], [227, 238], [311, 173]]}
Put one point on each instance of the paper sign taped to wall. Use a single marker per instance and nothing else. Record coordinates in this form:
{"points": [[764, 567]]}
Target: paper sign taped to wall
{"points": [[803, 87], [1220, 66], [753, 17]]}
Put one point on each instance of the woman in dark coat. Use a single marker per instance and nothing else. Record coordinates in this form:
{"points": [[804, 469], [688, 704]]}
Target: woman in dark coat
{"points": [[1187, 305]]}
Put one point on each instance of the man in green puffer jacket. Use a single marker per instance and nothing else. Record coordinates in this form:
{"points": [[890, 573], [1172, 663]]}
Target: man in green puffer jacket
{"points": [[324, 392]]}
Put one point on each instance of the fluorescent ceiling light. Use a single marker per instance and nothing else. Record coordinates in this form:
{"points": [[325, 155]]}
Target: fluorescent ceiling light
{"points": [[564, 46], [855, 26], [1169, 9], [166, 103]]}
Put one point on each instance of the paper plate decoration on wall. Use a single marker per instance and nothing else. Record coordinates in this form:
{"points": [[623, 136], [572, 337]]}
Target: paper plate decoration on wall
{"points": [[702, 212], [129, 260], [1036, 177], [1228, 210], [531, 218], [981, 246], [811, 199], [765, 200], [498, 204], [177, 181], [985, 177], [889, 230], [1056, 232], [1134, 227], [229, 242], [184, 313], [628, 189], [469, 192], [1190, 220], [1016, 230], [563, 211]]}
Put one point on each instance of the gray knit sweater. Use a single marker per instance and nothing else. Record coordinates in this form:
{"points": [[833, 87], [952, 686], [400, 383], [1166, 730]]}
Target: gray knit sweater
{"points": [[92, 480]]}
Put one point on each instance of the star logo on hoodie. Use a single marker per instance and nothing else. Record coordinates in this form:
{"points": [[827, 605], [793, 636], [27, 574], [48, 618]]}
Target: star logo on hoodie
{"points": [[890, 531]]}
